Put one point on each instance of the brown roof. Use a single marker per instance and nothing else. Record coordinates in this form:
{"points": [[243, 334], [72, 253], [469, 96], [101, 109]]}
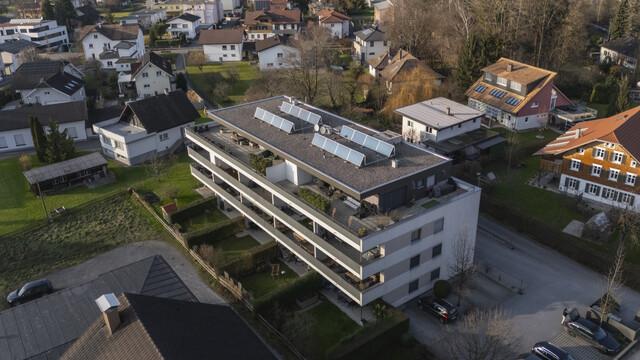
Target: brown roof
{"points": [[521, 73], [278, 16], [332, 16], [380, 62], [112, 31], [623, 129], [157, 60], [221, 36], [169, 208], [403, 63], [271, 42]]}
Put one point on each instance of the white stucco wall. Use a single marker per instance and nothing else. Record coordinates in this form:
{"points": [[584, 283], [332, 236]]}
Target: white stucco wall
{"points": [[269, 59], [215, 53], [9, 136], [152, 84], [438, 135]]}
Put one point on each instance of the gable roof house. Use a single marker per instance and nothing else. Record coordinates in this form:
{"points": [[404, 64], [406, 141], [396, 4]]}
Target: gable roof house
{"points": [[48, 82], [276, 53], [516, 95], [599, 160], [10, 53], [222, 45], [115, 46], [86, 15], [398, 66], [147, 128], [336, 22], [144, 17], [152, 75], [186, 24], [266, 23], [369, 43], [622, 51]]}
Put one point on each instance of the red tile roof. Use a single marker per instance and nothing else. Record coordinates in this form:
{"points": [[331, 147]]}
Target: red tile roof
{"points": [[332, 16], [169, 208]]}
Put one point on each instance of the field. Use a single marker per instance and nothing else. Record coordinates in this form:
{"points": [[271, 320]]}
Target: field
{"points": [[246, 73]]}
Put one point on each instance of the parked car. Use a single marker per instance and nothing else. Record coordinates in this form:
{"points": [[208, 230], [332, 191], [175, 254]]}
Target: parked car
{"points": [[30, 291], [590, 331], [548, 351], [440, 308]]}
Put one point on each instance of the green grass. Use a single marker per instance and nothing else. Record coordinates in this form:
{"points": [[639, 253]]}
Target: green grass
{"points": [[262, 283], [247, 74], [430, 204], [74, 237], [602, 109], [203, 117], [332, 325], [233, 246], [203, 220]]}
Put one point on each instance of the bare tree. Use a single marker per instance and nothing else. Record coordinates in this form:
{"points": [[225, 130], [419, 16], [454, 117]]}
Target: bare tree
{"points": [[612, 284], [484, 335], [196, 58], [30, 55], [461, 263], [213, 256], [155, 166], [410, 29], [309, 65], [410, 88], [412, 135]]}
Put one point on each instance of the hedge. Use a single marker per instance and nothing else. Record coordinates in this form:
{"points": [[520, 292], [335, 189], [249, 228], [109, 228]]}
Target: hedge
{"points": [[214, 233], [286, 295], [163, 43], [372, 339], [260, 163], [249, 259], [315, 199], [193, 209]]}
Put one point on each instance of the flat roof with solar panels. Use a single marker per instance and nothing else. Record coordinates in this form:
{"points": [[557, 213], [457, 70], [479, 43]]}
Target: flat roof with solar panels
{"points": [[440, 112], [327, 145]]}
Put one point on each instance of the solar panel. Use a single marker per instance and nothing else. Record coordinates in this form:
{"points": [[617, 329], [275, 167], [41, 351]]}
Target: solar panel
{"points": [[513, 101], [367, 141], [480, 88], [274, 120], [355, 157], [300, 113]]}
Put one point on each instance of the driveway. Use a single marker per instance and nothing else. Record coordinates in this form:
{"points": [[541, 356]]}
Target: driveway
{"points": [[128, 254]]}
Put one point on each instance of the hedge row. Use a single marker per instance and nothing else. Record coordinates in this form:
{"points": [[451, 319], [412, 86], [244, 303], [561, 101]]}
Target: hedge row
{"points": [[286, 296], [372, 339], [249, 259], [570, 246], [166, 42], [260, 163], [193, 209], [214, 233], [315, 199]]}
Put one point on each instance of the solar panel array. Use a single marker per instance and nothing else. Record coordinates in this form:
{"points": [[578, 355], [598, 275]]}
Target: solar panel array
{"points": [[498, 93], [480, 88], [355, 157], [300, 113], [367, 141], [513, 101], [274, 120]]}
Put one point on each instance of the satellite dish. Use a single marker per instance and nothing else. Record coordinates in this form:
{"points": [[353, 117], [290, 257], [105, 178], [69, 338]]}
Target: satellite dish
{"points": [[323, 130], [316, 127]]}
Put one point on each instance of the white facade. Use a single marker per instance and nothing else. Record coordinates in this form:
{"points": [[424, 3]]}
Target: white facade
{"points": [[151, 81], [145, 18], [617, 58], [223, 52], [21, 138], [117, 54], [338, 30], [517, 123], [367, 50], [13, 60], [277, 57], [607, 195], [50, 96], [209, 12], [427, 132], [43, 32], [230, 5], [178, 26]]}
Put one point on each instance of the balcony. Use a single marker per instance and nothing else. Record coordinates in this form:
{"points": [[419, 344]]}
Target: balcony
{"points": [[575, 114]]}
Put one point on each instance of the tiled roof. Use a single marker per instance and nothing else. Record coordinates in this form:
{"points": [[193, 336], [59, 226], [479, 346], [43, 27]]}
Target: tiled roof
{"points": [[623, 129], [627, 45], [278, 16], [163, 112], [403, 63], [62, 113], [155, 59], [16, 46], [270, 42], [112, 31], [332, 16], [370, 34], [221, 36]]}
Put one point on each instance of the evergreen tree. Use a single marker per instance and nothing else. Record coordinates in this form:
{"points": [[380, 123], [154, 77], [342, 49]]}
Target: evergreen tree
{"points": [[48, 13], [64, 10], [476, 53], [621, 23], [622, 100], [59, 145], [39, 138], [109, 18]]}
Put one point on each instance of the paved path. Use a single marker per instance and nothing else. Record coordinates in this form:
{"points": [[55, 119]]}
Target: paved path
{"points": [[130, 253]]}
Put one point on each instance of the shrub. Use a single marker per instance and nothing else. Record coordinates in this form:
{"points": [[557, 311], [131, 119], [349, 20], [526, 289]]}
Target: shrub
{"points": [[214, 233], [286, 295], [212, 256], [193, 209], [250, 259], [315, 199], [600, 94], [441, 289], [259, 163], [25, 162], [166, 42]]}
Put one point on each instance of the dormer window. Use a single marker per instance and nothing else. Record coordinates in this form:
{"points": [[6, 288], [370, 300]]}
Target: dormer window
{"points": [[501, 81], [487, 76], [516, 86]]}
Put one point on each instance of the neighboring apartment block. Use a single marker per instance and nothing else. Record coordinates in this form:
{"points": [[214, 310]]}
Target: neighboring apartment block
{"points": [[367, 233], [152, 75], [46, 33], [266, 23], [369, 43], [115, 46], [599, 159], [222, 45], [516, 95], [10, 52]]}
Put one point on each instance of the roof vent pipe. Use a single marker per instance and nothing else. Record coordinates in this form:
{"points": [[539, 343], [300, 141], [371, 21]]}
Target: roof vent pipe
{"points": [[448, 111], [509, 67], [395, 163]]}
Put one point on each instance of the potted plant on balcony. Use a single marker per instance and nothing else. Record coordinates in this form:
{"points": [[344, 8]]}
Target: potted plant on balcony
{"points": [[362, 231]]}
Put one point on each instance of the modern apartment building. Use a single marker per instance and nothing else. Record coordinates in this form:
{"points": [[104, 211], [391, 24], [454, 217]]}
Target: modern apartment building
{"points": [[45, 33], [345, 199]]}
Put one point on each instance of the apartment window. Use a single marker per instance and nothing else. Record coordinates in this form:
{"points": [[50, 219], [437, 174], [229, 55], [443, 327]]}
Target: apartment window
{"points": [[598, 153], [3, 142], [280, 55], [608, 194], [626, 198], [436, 251], [438, 225], [145, 74], [19, 139], [90, 46], [414, 261], [185, 26], [415, 235], [501, 81], [118, 145], [413, 286], [269, 64], [593, 189], [224, 47], [409, 123], [147, 86], [613, 174], [431, 180], [253, 36], [164, 136], [633, 164], [95, 36], [516, 86], [572, 183], [574, 165], [420, 183], [631, 179], [158, 73], [617, 157], [435, 274], [106, 140], [109, 63], [232, 47], [371, 43], [610, 145], [72, 132], [233, 55], [372, 53], [224, 55], [596, 170], [534, 105]]}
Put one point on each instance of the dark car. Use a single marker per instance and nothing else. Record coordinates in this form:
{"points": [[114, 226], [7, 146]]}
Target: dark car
{"points": [[548, 351], [590, 331], [30, 291], [440, 308]]}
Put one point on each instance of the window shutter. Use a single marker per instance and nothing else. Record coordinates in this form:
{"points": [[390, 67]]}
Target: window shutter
{"points": [[633, 198], [598, 190], [606, 155], [593, 152], [618, 196], [577, 185], [624, 159], [566, 182], [622, 177], [606, 174], [611, 155], [590, 169]]}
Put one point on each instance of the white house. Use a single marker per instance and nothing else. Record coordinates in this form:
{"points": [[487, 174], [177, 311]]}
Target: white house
{"points": [[42, 32], [230, 5], [622, 51], [115, 46], [48, 82], [147, 128], [209, 12], [369, 43], [336, 22], [15, 133], [274, 53], [144, 17], [152, 75], [10, 53], [184, 24], [222, 45]]}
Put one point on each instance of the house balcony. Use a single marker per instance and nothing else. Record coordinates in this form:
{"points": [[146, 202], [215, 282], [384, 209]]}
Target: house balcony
{"points": [[574, 114]]}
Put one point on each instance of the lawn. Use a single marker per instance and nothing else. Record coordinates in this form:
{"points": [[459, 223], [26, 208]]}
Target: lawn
{"points": [[203, 117], [203, 220], [247, 74], [332, 325], [74, 237], [262, 283], [602, 109], [430, 204], [233, 246]]}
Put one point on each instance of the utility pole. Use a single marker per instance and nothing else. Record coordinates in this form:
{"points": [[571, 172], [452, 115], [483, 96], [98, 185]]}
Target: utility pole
{"points": [[46, 213]]}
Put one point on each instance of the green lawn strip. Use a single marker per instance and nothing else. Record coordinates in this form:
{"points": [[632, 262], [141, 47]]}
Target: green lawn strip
{"points": [[233, 246], [332, 325], [203, 220], [246, 72], [262, 283], [430, 204], [602, 109]]}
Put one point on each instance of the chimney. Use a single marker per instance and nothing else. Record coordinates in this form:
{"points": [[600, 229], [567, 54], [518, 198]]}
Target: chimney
{"points": [[448, 111], [509, 67], [108, 304], [395, 163]]}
